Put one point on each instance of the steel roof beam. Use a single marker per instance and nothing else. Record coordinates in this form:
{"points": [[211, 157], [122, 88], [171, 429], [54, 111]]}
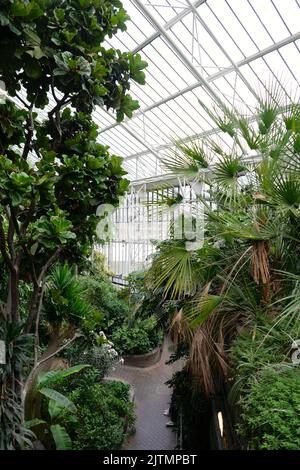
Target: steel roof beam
{"points": [[213, 131], [167, 26], [211, 78], [135, 136], [215, 39], [179, 53]]}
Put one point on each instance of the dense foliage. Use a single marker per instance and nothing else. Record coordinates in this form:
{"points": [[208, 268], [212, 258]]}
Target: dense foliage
{"points": [[144, 301], [240, 287], [100, 293], [104, 412], [58, 45], [270, 410], [54, 173], [130, 324], [77, 303], [139, 336], [267, 386]]}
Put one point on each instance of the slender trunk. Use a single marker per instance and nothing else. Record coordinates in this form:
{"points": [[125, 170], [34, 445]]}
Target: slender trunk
{"points": [[32, 400], [13, 315], [38, 291], [37, 323], [14, 295], [35, 301]]}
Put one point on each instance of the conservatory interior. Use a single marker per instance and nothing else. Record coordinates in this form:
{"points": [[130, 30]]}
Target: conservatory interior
{"points": [[149, 225]]}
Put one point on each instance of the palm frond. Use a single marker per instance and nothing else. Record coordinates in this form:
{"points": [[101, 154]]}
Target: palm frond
{"points": [[206, 357], [223, 118], [253, 139], [227, 171], [179, 329], [271, 101], [187, 159], [203, 304], [285, 191], [175, 273]]}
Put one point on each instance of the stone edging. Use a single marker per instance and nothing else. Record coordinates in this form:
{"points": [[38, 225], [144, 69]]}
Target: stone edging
{"points": [[143, 360]]}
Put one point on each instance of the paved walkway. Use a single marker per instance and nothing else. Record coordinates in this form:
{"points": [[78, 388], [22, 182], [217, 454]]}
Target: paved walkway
{"points": [[152, 397]]}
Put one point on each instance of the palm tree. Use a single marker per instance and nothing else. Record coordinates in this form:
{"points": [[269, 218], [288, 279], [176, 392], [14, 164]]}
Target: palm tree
{"points": [[252, 225]]}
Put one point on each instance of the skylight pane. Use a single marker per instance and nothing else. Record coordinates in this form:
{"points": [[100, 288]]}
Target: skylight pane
{"points": [[270, 18], [233, 25], [216, 26], [290, 12], [241, 28], [164, 10]]}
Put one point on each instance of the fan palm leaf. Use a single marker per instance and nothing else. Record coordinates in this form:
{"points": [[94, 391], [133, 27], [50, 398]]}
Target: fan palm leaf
{"points": [[174, 271], [187, 159]]}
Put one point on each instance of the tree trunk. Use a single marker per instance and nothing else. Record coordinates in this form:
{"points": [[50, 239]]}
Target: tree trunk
{"points": [[15, 295], [33, 308], [32, 400]]}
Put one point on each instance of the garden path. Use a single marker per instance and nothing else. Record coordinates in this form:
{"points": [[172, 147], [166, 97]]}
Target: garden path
{"points": [[152, 398]]}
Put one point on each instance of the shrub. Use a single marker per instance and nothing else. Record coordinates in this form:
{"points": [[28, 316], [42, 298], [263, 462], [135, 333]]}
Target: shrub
{"points": [[267, 342], [64, 301], [104, 412], [104, 297], [271, 410], [145, 301], [98, 356], [140, 338], [267, 386]]}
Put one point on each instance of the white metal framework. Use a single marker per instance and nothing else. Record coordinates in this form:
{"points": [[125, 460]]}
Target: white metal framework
{"points": [[218, 51], [144, 218]]}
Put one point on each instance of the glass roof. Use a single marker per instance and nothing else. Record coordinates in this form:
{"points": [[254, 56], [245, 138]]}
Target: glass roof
{"points": [[218, 51]]}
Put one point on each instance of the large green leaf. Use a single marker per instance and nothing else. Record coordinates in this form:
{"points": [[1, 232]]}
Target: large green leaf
{"points": [[34, 422], [53, 375], [58, 397], [201, 309], [175, 272], [32, 69], [128, 106], [61, 437], [54, 409], [227, 170], [19, 8], [136, 68]]}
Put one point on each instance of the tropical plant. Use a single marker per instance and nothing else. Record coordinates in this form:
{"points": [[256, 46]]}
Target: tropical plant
{"points": [[270, 410], [18, 349], [17, 353], [102, 358], [67, 317], [144, 302], [53, 171], [65, 308], [109, 308], [251, 232], [104, 411], [138, 338], [57, 405]]}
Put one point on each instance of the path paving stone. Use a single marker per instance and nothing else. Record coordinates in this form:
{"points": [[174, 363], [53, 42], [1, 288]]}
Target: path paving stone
{"points": [[152, 398]]}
